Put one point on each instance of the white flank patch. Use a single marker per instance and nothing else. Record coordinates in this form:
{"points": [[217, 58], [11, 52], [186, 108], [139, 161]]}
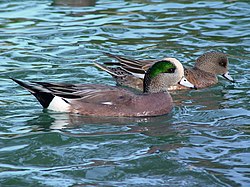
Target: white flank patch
{"points": [[58, 104], [107, 103]]}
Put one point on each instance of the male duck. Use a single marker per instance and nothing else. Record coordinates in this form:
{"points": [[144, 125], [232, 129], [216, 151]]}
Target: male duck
{"points": [[130, 73], [104, 100]]}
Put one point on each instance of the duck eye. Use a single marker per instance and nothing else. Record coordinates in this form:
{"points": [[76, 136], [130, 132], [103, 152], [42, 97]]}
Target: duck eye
{"points": [[223, 63], [171, 70]]}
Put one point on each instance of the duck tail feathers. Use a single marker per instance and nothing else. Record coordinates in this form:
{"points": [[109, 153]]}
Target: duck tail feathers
{"points": [[43, 95], [108, 70], [123, 61]]}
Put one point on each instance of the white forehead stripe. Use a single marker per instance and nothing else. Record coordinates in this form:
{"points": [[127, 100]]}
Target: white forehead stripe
{"points": [[178, 65]]}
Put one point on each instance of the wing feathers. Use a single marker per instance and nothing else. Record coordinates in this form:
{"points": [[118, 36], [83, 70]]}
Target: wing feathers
{"points": [[126, 66]]}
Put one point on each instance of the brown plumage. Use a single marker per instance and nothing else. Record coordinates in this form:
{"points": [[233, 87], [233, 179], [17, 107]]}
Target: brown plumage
{"points": [[104, 100], [130, 73]]}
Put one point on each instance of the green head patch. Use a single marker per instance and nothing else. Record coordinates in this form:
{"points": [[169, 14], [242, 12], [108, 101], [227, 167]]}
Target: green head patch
{"points": [[161, 67], [156, 69]]}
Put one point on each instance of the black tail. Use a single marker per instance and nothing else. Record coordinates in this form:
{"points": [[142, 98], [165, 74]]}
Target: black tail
{"points": [[43, 95]]}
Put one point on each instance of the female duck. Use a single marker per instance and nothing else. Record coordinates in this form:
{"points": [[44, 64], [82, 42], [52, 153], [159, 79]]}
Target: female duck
{"points": [[130, 73], [104, 100]]}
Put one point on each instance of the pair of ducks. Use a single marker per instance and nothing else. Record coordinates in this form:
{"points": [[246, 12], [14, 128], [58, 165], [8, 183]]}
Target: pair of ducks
{"points": [[153, 77]]}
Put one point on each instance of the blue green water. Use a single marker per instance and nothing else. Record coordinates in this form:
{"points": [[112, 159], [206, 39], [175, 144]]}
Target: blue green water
{"points": [[204, 141]]}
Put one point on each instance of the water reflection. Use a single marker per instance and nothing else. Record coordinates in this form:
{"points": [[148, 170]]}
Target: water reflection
{"points": [[70, 121], [208, 129], [211, 98], [78, 125], [74, 3]]}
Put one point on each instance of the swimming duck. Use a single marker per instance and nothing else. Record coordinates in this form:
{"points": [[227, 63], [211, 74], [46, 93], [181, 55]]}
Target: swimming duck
{"points": [[130, 73], [104, 100]]}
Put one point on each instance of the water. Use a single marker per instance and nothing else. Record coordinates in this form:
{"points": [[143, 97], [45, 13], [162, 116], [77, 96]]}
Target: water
{"points": [[205, 141]]}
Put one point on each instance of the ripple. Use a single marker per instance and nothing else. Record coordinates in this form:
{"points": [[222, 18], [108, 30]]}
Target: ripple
{"points": [[205, 139]]}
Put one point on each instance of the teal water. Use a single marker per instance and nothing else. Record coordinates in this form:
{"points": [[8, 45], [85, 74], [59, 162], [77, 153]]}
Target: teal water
{"points": [[205, 141]]}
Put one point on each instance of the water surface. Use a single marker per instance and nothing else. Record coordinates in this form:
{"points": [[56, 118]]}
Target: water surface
{"points": [[204, 141]]}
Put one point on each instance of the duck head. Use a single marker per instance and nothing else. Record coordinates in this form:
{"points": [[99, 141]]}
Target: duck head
{"points": [[215, 63], [163, 74]]}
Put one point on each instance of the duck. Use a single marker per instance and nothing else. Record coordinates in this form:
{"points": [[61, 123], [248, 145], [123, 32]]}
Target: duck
{"points": [[107, 100], [130, 73]]}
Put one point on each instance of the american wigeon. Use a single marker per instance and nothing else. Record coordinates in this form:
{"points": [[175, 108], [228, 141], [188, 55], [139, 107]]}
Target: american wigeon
{"points": [[104, 100], [130, 73]]}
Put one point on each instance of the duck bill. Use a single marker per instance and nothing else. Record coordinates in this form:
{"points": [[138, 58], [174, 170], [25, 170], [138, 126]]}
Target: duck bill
{"points": [[228, 77], [186, 83]]}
